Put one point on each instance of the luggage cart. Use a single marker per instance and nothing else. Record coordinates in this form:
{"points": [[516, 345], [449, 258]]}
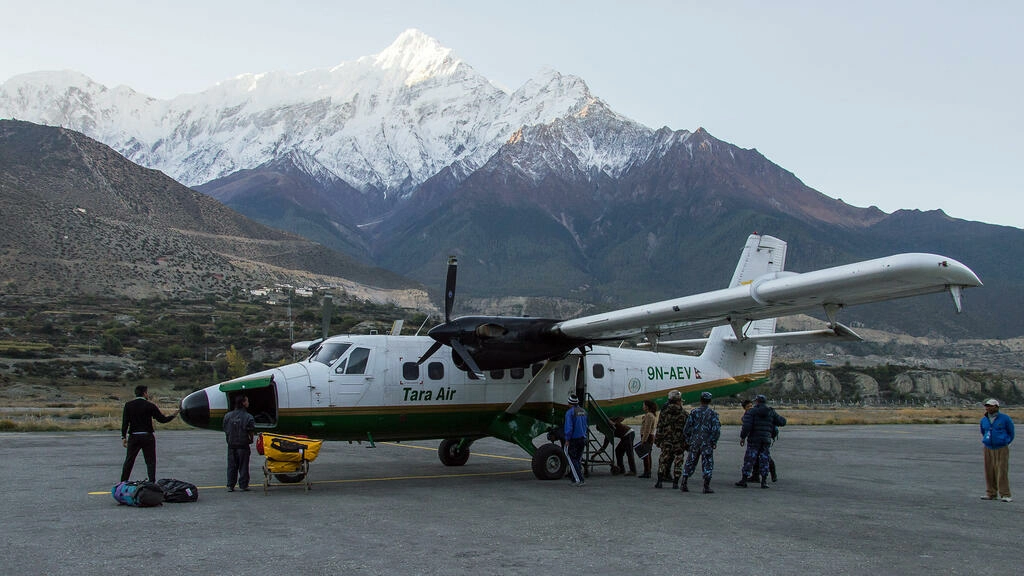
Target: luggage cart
{"points": [[287, 458]]}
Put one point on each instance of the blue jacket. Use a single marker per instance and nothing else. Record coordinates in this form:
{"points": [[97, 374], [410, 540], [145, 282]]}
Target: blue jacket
{"points": [[998, 433], [575, 423]]}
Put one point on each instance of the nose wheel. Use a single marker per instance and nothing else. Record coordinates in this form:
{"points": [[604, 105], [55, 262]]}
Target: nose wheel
{"points": [[453, 451]]}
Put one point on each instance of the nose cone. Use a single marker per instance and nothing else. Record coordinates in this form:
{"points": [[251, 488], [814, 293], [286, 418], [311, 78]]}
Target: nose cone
{"points": [[195, 409]]}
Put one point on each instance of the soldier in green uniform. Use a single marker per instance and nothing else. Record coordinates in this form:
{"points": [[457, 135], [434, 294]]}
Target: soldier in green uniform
{"points": [[669, 437]]}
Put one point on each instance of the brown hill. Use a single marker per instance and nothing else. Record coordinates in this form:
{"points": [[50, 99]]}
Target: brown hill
{"points": [[78, 218]]}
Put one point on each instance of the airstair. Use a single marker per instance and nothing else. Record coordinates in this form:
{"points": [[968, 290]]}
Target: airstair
{"points": [[601, 438]]}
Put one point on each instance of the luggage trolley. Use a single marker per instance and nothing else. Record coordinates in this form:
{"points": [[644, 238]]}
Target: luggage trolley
{"points": [[288, 458]]}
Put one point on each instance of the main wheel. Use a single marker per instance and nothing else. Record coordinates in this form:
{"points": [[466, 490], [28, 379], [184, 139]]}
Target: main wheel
{"points": [[549, 462], [450, 453]]}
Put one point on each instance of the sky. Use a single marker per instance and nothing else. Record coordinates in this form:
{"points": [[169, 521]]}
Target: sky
{"points": [[896, 104]]}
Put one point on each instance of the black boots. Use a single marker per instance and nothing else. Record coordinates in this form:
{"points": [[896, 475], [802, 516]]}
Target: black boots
{"points": [[675, 483], [707, 486], [658, 483], [764, 482], [742, 483], [683, 487]]}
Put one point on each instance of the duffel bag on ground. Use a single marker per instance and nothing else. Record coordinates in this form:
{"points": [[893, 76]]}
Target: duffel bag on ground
{"points": [[138, 493], [178, 490]]}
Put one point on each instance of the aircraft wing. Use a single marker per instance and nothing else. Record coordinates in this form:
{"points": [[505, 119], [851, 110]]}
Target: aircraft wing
{"points": [[781, 293]]}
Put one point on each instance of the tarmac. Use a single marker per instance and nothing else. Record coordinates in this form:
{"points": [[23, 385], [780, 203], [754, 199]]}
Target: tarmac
{"points": [[870, 500]]}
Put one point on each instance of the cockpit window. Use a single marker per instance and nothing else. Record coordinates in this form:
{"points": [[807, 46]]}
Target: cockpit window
{"points": [[357, 361], [329, 352]]}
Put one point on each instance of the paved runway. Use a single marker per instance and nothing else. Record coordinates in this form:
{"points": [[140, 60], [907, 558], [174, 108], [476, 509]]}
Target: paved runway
{"points": [[850, 500]]}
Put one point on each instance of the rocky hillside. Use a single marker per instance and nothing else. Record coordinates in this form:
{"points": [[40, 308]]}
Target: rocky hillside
{"points": [[80, 219], [888, 384]]}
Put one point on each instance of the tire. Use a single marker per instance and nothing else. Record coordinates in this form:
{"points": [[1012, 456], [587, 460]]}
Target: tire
{"points": [[450, 454], [290, 478], [549, 462]]}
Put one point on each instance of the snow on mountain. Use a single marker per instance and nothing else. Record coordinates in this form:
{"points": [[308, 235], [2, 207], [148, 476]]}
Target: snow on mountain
{"points": [[383, 123]]}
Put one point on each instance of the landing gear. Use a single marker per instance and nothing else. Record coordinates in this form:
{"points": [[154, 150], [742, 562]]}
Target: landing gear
{"points": [[549, 462], [452, 452]]}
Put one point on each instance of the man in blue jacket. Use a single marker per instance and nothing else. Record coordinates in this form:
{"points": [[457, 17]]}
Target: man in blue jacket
{"points": [[575, 438], [996, 435]]}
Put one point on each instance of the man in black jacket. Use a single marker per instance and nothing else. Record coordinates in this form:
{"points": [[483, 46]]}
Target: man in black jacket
{"points": [[137, 432], [759, 426], [239, 427]]}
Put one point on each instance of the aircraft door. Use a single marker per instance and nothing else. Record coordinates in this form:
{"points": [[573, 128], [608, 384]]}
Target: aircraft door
{"points": [[568, 378], [598, 375], [350, 377]]}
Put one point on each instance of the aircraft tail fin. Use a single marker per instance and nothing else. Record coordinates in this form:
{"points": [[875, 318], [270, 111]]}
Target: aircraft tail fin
{"points": [[735, 347]]}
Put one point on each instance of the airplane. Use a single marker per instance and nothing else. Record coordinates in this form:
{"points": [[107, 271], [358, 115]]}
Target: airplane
{"points": [[510, 377]]}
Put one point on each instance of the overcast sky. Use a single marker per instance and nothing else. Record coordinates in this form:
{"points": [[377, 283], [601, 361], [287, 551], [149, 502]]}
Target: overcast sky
{"points": [[913, 104]]}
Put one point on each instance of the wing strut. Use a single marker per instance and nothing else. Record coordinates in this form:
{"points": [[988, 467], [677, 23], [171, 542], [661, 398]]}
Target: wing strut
{"points": [[832, 311], [529, 389]]}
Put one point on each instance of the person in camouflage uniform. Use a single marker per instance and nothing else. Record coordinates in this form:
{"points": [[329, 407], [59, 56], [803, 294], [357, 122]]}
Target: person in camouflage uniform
{"points": [[669, 437], [701, 432]]}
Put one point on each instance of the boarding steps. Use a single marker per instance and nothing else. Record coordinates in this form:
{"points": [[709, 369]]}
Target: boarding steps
{"points": [[600, 449]]}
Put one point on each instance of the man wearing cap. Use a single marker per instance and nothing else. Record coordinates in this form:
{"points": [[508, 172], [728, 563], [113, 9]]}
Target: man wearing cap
{"points": [[996, 436], [669, 438], [760, 424], [702, 431], [575, 437]]}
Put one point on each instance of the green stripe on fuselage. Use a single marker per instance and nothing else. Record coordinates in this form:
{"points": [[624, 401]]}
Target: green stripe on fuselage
{"points": [[425, 422]]}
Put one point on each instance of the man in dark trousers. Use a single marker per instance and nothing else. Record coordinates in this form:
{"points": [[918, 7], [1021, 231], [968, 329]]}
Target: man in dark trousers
{"points": [[239, 427], [137, 432], [576, 430], [760, 425]]}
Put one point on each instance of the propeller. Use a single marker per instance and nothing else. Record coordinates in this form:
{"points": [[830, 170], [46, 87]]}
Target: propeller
{"points": [[448, 332]]}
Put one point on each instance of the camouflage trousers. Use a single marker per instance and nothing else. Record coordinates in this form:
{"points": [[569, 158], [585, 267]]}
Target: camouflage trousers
{"points": [[671, 459], [706, 454], [757, 454]]}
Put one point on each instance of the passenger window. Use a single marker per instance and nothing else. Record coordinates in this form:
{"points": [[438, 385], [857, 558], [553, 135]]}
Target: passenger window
{"points": [[535, 368], [598, 370], [410, 371], [435, 370], [566, 373], [517, 373], [357, 361], [497, 374]]}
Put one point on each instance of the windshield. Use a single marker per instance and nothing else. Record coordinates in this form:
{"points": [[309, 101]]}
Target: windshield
{"points": [[329, 352]]}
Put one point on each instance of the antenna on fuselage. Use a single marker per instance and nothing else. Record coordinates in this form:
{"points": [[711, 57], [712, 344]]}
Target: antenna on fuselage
{"points": [[418, 330]]}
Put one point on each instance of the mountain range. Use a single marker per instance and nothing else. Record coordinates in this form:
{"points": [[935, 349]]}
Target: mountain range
{"points": [[401, 158]]}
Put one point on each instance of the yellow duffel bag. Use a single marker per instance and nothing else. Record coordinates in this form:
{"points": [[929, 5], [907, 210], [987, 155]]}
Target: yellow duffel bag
{"points": [[278, 467], [289, 448]]}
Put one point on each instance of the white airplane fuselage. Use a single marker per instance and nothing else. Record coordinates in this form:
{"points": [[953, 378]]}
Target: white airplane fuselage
{"points": [[390, 397]]}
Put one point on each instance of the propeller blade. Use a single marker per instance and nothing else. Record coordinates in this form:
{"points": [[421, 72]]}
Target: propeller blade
{"points": [[449, 287], [430, 352], [464, 354]]}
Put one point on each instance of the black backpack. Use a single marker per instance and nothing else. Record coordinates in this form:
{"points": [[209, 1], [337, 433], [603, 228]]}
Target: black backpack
{"points": [[178, 490]]}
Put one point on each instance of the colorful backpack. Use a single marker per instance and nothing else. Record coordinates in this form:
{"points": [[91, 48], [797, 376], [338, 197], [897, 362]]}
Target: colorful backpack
{"points": [[138, 493]]}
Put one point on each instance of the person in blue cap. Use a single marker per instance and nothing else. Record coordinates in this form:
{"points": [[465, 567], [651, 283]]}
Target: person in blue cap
{"points": [[702, 430]]}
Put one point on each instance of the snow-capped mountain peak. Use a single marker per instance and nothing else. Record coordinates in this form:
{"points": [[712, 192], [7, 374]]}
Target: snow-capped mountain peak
{"points": [[383, 123], [418, 55]]}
